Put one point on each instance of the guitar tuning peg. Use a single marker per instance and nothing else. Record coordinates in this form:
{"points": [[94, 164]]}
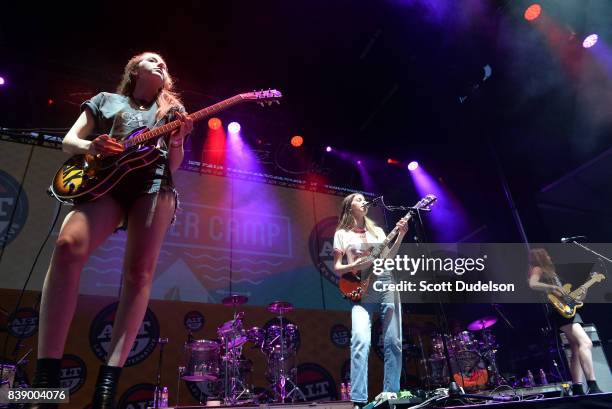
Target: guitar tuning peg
{"points": [[278, 102], [260, 103]]}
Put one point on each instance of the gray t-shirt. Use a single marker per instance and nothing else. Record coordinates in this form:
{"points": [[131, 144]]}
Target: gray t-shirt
{"points": [[116, 116]]}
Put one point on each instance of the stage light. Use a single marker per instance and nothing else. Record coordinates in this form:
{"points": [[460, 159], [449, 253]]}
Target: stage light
{"points": [[533, 12], [297, 141], [233, 127], [359, 161], [50, 101], [413, 165], [590, 41], [393, 161], [2, 82], [328, 149], [214, 123]]}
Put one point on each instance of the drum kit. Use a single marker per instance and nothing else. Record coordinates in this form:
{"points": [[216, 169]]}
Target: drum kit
{"points": [[221, 362], [472, 356]]}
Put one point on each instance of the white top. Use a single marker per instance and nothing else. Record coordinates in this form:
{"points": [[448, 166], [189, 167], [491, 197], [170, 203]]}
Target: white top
{"points": [[357, 242]]}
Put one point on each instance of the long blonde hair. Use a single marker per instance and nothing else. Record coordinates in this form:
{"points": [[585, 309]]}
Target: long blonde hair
{"points": [[539, 257], [347, 221], [166, 98]]}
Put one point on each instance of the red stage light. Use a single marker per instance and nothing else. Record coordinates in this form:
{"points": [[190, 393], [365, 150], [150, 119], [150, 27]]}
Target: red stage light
{"points": [[393, 161], [214, 123], [533, 12], [50, 101], [297, 141]]}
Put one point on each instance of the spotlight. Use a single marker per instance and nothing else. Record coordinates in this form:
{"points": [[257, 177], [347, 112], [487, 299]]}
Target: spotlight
{"points": [[297, 141], [50, 101], [533, 12], [2, 82], [359, 161], [590, 41], [214, 123], [233, 127], [413, 165], [393, 161], [328, 149]]}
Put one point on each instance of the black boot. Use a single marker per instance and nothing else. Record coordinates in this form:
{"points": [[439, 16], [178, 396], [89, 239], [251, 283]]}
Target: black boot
{"points": [[577, 389], [106, 387], [593, 388], [47, 375]]}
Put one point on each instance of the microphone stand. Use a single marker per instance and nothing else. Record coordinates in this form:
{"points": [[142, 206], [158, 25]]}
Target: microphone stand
{"points": [[599, 256], [454, 391]]}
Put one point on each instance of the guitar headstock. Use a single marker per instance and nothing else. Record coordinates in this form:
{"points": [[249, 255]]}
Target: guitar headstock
{"points": [[597, 277], [426, 202], [263, 97]]}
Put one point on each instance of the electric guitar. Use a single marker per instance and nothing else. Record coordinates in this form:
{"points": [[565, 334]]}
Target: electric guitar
{"points": [[87, 177], [572, 300], [352, 285]]}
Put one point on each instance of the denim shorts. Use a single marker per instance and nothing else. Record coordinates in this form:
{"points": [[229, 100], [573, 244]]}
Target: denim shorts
{"points": [[151, 180]]}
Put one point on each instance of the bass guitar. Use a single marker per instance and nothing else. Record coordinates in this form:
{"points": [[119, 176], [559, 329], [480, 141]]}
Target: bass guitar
{"points": [[352, 285], [572, 300], [86, 177]]}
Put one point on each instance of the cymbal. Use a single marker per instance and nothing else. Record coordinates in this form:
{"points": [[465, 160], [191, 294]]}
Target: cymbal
{"points": [[482, 323], [234, 299], [280, 307]]}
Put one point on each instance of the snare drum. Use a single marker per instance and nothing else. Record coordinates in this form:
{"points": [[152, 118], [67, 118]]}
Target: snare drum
{"points": [[201, 360]]}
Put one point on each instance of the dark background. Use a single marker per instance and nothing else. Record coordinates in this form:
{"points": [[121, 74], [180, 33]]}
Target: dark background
{"points": [[374, 79]]}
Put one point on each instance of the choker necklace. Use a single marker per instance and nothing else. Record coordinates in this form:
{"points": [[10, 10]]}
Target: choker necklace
{"points": [[142, 105]]}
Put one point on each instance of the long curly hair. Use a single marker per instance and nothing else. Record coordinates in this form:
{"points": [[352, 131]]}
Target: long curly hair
{"points": [[166, 97], [347, 221], [539, 257]]}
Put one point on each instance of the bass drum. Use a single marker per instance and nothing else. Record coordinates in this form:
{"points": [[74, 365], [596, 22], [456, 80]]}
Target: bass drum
{"points": [[469, 370]]}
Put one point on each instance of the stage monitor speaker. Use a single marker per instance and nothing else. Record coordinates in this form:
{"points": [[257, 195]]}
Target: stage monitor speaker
{"points": [[600, 363]]}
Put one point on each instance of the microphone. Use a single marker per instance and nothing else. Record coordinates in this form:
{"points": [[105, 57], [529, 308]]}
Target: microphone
{"points": [[373, 202], [573, 238]]}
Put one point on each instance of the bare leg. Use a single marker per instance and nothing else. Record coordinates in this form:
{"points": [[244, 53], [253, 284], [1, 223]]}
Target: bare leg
{"points": [[142, 251], [581, 347], [82, 231]]}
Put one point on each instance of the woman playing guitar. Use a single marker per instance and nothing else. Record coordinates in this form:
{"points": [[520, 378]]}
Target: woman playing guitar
{"points": [[542, 277], [144, 202], [355, 234]]}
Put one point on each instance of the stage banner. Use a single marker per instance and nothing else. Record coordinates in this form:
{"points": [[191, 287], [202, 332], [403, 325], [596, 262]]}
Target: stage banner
{"points": [[231, 235]]}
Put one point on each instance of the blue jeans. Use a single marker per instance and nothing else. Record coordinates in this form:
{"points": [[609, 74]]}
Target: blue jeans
{"points": [[361, 330]]}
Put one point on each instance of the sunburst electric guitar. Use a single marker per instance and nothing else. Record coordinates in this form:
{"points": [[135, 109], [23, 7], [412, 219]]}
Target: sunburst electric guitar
{"points": [[572, 300], [87, 177], [353, 285]]}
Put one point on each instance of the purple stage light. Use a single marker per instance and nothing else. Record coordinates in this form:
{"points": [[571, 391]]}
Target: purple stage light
{"points": [[590, 41], [359, 162], [328, 149], [2, 81], [233, 127], [413, 165]]}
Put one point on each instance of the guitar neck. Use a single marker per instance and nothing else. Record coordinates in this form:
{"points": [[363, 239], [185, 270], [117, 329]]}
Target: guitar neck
{"points": [[589, 283], [387, 240], [171, 126]]}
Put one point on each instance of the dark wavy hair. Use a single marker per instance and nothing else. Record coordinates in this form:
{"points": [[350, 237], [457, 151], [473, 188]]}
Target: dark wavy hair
{"points": [[166, 97], [539, 257]]}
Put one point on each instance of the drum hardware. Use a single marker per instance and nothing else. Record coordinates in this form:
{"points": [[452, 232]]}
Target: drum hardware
{"points": [[282, 367], [233, 338]]}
